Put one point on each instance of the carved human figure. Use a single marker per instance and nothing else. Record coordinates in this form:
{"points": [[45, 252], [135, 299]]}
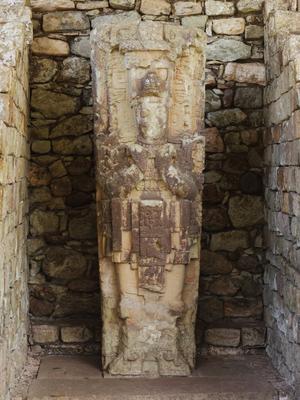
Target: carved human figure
{"points": [[149, 181]]}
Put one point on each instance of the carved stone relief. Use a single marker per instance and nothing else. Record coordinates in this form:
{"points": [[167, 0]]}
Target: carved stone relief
{"points": [[149, 104]]}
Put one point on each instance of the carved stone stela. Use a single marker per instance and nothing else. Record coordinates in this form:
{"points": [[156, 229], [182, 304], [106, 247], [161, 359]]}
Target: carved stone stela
{"points": [[149, 98]]}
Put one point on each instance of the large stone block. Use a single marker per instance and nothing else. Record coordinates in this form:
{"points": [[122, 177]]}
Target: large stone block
{"points": [[229, 241], [228, 50], [213, 7], [45, 333], [50, 47], [229, 26], [183, 8], [65, 21], [246, 73], [52, 104], [54, 5], [149, 179], [227, 337], [246, 210], [155, 7]]}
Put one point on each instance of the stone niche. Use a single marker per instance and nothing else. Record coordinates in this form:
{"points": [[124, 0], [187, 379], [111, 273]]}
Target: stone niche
{"points": [[149, 104]]}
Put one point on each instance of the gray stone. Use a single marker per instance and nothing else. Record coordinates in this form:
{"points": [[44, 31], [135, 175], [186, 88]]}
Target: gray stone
{"points": [[62, 21], [61, 186], [41, 146], [54, 5], [42, 222], [63, 263], [45, 333], [57, 169], [247, 6], [248, 97], [243, 308], [53, 105], [210, 309], [40, 307], [249, 263], [212, 101], [254, 32], [81, 46], [227, 337], [229, 241], [213, 263], [73, 126], [249, 286], [72, 304], [228, 50], [75, 69], [183, 8], [198, 21], [75, 334], [246, 210], [79, 166], [215, 7], [42, 69], [251, 183], [224, 286], [215, 219], [227, 117], [83, 227], [78, 146], [122, 4], [254, 336]]}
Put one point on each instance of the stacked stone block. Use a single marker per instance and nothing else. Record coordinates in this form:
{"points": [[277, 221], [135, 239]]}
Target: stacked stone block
{"points": [[282, 193], [63, 254], [15, 34]]}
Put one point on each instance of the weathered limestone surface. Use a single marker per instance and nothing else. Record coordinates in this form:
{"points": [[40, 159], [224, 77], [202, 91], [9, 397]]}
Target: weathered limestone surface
{"points": [[62, 184], [282, 174], [15, 35], [149, 110]]}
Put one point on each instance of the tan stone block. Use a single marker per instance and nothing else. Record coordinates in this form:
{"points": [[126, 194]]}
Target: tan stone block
{"points": [[246, 73], [75, 334], [254, 32], [197, 21], [213, 7], [229, 26], [45, 333], [247, 6], [91, 5], [227, 337], [53, 5], [50, 47], [155, 7], [122, 4], [41, 146], [183, 8]]}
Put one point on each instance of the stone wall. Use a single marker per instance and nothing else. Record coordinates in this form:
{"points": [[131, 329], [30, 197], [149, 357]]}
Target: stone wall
{"points": [[15, 33], [63, 254], [282, 177]]}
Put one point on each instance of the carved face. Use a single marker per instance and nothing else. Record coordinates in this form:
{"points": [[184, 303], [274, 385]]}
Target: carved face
{"points": [[151, 109]]}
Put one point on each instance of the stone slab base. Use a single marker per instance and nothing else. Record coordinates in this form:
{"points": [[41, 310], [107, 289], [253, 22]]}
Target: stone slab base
{"points": [[216, 378]]}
